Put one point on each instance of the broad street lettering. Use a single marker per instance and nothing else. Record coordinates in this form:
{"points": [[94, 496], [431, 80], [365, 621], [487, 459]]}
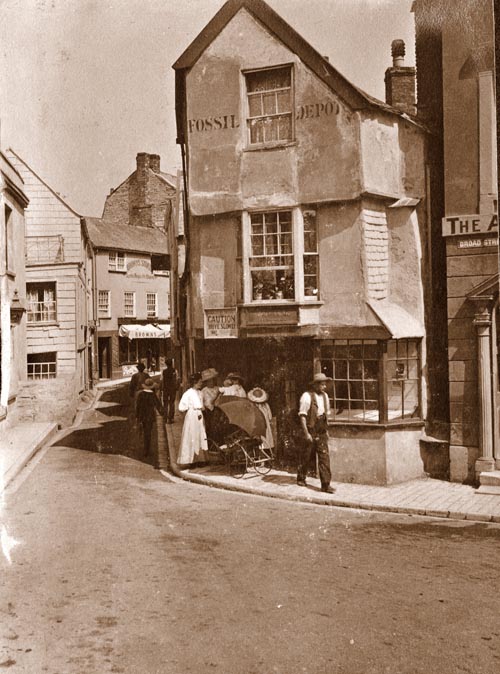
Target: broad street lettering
{"points": [[465, 225], [477, 243]]}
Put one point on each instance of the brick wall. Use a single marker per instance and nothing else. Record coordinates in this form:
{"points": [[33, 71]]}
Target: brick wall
{"points": [[144, 199], [400, 89]]}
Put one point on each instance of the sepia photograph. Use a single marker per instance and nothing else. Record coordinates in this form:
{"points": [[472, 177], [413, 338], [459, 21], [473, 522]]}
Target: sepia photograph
{"points": [[249, 337]]}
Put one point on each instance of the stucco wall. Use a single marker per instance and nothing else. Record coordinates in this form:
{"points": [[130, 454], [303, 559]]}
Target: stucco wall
{"points": [[137, 278], [224, 173]]}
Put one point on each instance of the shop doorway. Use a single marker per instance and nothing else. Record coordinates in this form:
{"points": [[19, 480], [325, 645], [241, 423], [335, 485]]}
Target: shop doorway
{"points": [[104, 354]]}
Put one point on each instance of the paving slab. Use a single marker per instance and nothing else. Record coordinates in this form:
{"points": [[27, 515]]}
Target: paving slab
{"points": [[424, 496]]}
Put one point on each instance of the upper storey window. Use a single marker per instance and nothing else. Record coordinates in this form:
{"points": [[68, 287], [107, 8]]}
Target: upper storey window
{"points": [[269, 94]]}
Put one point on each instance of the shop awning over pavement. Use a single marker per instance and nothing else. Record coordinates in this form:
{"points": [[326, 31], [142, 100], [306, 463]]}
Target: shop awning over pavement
{"points": [[397, 320], [149, 331]]}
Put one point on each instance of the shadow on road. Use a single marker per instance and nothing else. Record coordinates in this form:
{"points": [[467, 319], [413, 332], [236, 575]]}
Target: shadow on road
{"points": [[108, 428]]}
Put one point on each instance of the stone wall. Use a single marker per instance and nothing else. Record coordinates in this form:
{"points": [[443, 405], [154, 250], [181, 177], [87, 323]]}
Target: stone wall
{"points": [[48, 400]]}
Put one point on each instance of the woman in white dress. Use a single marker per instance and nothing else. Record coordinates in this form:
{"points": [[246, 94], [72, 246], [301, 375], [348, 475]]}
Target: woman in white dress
{"points": [[193, 448]]}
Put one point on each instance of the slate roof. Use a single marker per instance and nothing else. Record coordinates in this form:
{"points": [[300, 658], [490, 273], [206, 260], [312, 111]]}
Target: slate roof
{"points": [[352, 95], [113, 236]]}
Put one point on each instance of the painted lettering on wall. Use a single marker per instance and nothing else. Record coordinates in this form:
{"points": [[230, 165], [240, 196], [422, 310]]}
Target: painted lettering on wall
{"points": [[222, 122], [315, 110], [213, 123], [465, 225], [477, 243]]}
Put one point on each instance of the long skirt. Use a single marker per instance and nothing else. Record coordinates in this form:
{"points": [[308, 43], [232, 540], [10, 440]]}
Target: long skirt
{"points": [[193, 446]]}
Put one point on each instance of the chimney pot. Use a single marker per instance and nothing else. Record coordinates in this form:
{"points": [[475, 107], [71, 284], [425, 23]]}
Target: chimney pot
{"points": [[154, 162], [398, 51], [142, 161]]}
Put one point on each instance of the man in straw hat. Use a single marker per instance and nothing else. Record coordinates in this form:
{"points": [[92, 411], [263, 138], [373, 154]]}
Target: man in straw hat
{"points": [[313, 413]]}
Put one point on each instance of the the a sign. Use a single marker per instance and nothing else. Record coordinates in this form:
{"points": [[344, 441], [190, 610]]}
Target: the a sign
{"points": [[465, 225], [477, 243], [220, 324]]}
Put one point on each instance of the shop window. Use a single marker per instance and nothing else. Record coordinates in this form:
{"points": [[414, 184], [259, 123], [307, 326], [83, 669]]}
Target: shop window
{"points": [[116, 261], [41, 301], [129, 304], [151, 305], [270, 105], [373, 381], [310, 255], [42, 365], [104, 304], [271, 256]]}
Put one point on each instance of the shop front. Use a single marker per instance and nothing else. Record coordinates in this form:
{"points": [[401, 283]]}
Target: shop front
{"points": [[147, 343]]}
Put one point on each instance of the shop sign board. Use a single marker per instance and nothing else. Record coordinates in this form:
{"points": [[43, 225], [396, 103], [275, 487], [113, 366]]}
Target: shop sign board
{"points": [[221, 323], [265, 317], [467, 225]]}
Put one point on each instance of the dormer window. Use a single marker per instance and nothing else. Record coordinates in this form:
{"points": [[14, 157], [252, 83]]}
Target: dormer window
{"points": [[270, 98]]}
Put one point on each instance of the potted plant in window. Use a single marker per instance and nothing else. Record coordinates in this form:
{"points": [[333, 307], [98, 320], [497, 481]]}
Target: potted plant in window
{"points": [[257, 290]]}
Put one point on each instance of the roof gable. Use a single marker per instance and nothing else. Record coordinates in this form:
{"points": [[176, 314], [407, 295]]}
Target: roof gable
{"points": [[352, 95]]}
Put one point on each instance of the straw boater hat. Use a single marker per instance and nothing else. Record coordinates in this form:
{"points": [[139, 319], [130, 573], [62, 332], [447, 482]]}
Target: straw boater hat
{"points": [[257, 395], [235, 375], [149, 385], [320, 378], [208, 374]]}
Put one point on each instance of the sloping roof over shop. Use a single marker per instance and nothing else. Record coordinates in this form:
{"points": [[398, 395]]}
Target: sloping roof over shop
{"points": [[397, 320], [113, 236], [354, 97]]}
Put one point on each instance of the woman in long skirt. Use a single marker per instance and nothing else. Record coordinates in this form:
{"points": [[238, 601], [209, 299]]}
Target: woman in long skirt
{"points": [[194, 446]]}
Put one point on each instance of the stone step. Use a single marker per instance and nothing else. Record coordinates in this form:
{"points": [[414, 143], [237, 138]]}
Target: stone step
{"points": [[490, 478], [489, 490]]}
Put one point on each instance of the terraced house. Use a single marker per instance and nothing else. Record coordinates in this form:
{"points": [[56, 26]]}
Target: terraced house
{"points": [[305, 234], [131, 271], [59, 302]]}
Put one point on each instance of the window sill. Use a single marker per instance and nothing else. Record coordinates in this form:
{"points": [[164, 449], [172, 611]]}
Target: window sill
{"points": [[117, 271], [400, 423], [270, 146], [10, 274], [43, 324], [276, 303]]}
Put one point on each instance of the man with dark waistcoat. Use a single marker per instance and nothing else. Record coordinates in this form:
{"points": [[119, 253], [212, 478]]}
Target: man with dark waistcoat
{"points": [[313, 413]]}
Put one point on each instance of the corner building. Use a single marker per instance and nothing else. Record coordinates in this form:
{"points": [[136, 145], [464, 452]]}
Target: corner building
{"points": [[455, 47], [304, 235]]}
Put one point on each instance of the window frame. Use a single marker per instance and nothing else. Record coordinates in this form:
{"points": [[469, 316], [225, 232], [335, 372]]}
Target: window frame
{"points": [[52, 312], [246, 107], [100, 313], [113, 265], [155, 314], [134, 309], [382, 379], [51, 374]]}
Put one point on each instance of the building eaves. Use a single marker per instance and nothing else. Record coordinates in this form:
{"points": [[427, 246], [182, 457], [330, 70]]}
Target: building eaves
{"points": [[355, 97], [57, 196], [112, 236]]}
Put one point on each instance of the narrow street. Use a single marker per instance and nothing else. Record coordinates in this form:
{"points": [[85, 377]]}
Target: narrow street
{"points": [[117, 569]]}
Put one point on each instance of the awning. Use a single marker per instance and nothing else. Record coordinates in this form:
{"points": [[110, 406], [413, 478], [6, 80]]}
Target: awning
{"points": [[149, 331], [397, 320]]}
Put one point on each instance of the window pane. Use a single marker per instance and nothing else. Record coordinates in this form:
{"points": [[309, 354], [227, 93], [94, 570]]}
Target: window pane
{"points": [[327, 367], [271, 220], [285, 128], [410, 398], [391, 350], [271, 246], [412, 369], [283, 100], [310, 244], [255, 105], [269, 103], [256, 130], [370, 369], [355, 369], [257, 245], [371, 390], [340, 369]]}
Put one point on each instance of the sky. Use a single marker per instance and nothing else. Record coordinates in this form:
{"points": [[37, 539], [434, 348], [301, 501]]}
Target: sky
{"points": [[87, 84]]}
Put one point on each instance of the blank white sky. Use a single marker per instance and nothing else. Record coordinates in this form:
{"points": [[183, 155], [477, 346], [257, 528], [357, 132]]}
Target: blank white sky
{"points": [[86, 84]]}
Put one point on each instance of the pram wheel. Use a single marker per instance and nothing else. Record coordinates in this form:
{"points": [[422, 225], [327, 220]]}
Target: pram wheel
{"points": [[237, 461], [262, 460]]}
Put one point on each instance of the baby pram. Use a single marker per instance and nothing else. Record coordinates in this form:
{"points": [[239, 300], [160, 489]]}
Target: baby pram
{"points": [[235, 437]]}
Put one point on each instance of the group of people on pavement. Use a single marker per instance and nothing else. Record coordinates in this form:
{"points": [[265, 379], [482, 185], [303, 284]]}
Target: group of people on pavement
{"points": [[198, 402]]}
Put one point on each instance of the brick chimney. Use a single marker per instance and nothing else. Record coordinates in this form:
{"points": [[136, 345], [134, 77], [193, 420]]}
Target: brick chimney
{"points": [[400, 81], [139, 209]]}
